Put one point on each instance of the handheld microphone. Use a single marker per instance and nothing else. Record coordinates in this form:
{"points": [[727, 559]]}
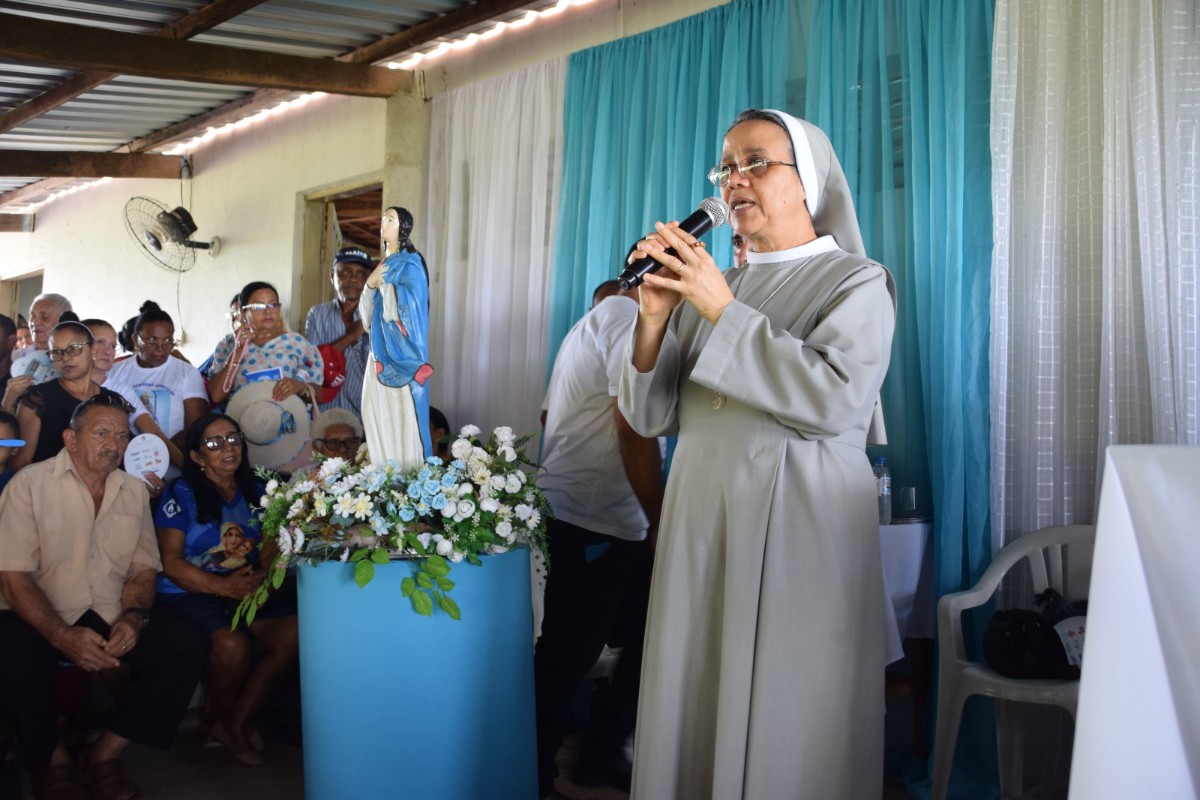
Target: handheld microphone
{"points": [[712, 214]]}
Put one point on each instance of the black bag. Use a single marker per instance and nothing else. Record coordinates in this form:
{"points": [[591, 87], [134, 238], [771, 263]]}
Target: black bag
{"points": [[1021, 643]]}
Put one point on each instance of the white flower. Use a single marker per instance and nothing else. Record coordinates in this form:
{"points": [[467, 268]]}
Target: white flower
{"points": [[362, 506], [445, 548], [460, 449], [344, 507], [331, 466], [304, 487], [425, 538], [449, 510], [534, 519], [264, 501], [465, 489], [489, 504], [507, 453], [523, 511], [285, 541], [469, 430], [504, 530], [298, 545], [456, 556], [345, 555], [480, 456], [521, 476], [504, 512], [504, 434], [465, 508], [496, 484], [272, 486], [296, 509], [512, 484], [320, 504], [481, 476]]}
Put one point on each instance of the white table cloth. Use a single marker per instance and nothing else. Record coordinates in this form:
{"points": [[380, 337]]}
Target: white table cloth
{"points": [[1137, 730], [907, 583]]}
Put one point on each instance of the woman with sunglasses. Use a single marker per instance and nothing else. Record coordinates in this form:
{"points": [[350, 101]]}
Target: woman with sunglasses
{"points": [[193, 519], [44, 410], [173, 387], [264, 349]]}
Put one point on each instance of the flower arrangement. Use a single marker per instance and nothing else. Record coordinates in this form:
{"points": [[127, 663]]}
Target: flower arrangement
{"points": [[437, 514]]}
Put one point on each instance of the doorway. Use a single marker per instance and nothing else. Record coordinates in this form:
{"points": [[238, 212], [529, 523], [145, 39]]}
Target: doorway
{"points": [[333, 219]]}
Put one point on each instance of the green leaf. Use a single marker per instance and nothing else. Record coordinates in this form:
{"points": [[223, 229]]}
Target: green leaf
{"points": [[422, 604], [474, 559], [250, 612], [364, 571], [379, 556], [436, 566], [449, 606], [424, 581], [359, 554], [277, 576], [445, 584], [407, 587]]}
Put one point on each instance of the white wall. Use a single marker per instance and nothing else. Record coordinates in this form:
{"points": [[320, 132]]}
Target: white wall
{"points": [[246, 190]]}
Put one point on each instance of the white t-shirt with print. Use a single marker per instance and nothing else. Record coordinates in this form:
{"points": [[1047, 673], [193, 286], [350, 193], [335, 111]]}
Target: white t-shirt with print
{"points": [[161, 390]]}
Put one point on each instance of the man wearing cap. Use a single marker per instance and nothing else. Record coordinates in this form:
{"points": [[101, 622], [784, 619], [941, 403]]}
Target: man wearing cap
{"points": [[78, 559], [336, 326]]}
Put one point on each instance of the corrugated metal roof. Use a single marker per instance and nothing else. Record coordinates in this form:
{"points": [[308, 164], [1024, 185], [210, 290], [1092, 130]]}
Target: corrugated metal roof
{"points": [[128, 108]]}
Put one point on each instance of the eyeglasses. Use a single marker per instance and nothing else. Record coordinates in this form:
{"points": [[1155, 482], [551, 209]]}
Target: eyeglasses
{"points": [[262, 306], [338, 445], [719, 175], [215, 443], [154, 341], [70, 351]]}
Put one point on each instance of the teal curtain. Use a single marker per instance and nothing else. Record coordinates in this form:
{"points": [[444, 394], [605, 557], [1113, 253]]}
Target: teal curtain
{"points": [[643, 123], [902, 89]]}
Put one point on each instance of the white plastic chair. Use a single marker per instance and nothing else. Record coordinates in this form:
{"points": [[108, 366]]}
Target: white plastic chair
{"points": [[1059, 557]]}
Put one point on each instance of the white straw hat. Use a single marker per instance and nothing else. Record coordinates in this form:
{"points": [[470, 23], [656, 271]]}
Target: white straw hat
{"points": [[275, 430]]}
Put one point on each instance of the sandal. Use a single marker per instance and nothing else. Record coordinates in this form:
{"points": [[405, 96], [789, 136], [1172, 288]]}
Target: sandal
{"points": [[247, 758], [109, 782]]}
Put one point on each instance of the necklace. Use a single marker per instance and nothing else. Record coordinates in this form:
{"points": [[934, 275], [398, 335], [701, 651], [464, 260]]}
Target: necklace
{"points": [[90, 391], [718, 399]]}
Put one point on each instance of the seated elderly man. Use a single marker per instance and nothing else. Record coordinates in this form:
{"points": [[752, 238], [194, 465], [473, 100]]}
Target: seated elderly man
{"points": [[44, 313], [78, 560]]}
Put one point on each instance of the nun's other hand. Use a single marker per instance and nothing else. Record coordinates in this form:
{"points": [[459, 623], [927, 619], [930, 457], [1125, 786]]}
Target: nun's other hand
{"points": [[690, 274]]}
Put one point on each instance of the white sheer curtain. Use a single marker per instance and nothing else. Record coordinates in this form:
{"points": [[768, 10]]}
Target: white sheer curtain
{"points": [[495, 163], [1096, 195]]}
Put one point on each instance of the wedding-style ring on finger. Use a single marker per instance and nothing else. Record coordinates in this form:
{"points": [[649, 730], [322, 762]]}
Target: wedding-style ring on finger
{"points": [[697, 244]]}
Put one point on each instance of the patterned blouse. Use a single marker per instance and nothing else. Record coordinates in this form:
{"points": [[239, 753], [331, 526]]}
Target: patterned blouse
{"points": [[288, 355]]}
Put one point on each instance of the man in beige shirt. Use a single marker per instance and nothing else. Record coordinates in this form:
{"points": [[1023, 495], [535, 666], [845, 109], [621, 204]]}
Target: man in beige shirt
{"points": [[78, 559]]}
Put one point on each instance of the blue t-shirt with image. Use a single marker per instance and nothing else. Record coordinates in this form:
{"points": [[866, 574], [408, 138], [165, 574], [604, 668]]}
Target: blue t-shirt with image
{"points": [[217, 546]]}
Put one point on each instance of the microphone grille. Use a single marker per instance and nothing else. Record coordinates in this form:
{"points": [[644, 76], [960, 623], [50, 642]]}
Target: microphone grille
{"points": [[717, 208]]}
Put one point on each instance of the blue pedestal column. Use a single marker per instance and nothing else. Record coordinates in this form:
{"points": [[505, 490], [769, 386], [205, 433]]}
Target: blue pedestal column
{"points": [[396, 705]]}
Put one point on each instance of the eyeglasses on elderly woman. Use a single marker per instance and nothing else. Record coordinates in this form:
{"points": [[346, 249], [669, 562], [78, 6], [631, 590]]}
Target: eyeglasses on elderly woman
{"points": [[349, 444], [719, 175]]}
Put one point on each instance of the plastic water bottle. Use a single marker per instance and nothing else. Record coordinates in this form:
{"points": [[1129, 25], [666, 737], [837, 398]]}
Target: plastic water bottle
{"points": [[883, 488]]}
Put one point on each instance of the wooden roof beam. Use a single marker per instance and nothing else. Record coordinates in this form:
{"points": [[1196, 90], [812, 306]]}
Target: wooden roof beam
{"points": [[77, 47], [77, 164]]}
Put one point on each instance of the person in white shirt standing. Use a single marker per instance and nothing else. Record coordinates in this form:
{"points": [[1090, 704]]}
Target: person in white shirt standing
{"points": [[171, 389], [605, 485]]}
